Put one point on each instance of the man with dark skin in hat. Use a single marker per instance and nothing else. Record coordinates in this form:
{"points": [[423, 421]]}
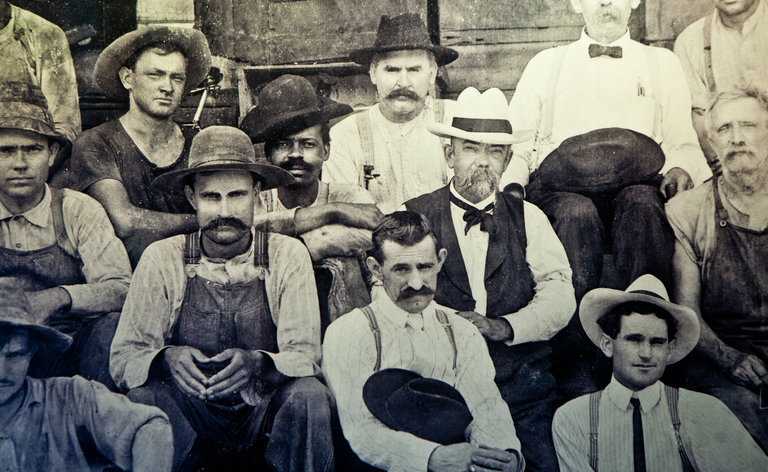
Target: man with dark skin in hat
{"points": [[405, 329], [56, 245], [386, 148], [35, 50], [116, 161], [221, 328], [334, 220], [64, 423]]}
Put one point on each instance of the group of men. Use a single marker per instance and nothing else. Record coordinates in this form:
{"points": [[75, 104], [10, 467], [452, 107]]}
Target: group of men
{"points": [[386, 293]]}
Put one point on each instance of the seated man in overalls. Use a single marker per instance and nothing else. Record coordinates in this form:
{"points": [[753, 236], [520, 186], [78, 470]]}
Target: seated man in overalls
{"points": [[221, 328], [58, 246]]}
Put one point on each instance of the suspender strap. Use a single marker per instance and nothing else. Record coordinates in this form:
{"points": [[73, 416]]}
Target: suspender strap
{"points": [[654, 72], [368, 311], [443, 319], [192, 249], [710, 74], [548, 111], [673, 395], [594, 422], [365, 131], [57, 216]]}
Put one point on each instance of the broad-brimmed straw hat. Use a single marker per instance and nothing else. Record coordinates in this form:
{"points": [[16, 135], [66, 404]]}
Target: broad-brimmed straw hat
{"points": [[403, 32], [15, 312], [647, 289], [191, 42], [287, 105], [481, 117], [222, 148], [24, 107]]}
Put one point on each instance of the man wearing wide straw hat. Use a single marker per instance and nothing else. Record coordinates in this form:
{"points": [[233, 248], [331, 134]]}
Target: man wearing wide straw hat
{"points": [[506, 271], [57, 245], [333, 219], [116, 162], [221, 328], [387, 148], [67, 423], [638, 423]]}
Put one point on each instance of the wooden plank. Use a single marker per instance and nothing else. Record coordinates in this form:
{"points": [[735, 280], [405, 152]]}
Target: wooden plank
{"points": [[501, 14], [509, 35]]}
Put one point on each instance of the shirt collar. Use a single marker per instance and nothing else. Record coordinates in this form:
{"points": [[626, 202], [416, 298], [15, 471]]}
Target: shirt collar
{"points": [[479, 205], [387, 309], [39, 215], [620, 395], [585, 40]]}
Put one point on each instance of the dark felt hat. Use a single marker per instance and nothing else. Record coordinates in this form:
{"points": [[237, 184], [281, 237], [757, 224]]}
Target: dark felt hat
{"points": [[222, 148], [24, 107], [605, 159], [15, 312], [427, 408], [403, 32], [286, 105], [191, 42]]}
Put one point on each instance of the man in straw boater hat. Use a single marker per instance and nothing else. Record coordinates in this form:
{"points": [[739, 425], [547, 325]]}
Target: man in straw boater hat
{"points": [[116, 162], [221, 328], [387, 148], [56, 245], [505, 271], [637, 422], [333, 219], [372, 353], [67, 423]]}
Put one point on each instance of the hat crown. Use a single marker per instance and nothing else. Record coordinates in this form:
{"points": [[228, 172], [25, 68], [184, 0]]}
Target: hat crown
{"points": [[220, 145], [406, 30], [649, 285], [14, 306], [23, 100], [286, 94], [488, 105]]}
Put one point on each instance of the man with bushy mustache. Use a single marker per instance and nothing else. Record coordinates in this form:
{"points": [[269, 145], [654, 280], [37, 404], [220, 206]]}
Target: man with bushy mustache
{"points": [[505, 271], [720, 260]]}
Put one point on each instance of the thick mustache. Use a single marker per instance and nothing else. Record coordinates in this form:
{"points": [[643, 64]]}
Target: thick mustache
{"points": [[409, 292], [228, 221], [732, 154], [403, 93], [295, 164]]}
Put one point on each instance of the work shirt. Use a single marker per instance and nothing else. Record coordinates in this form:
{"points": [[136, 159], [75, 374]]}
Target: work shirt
{"points": [[90, 238], [604, 92], [738, 57], [157, 292], [57, 414], [553, 304], [409, 159], [714, 438], [34, 49], [419, 343]]}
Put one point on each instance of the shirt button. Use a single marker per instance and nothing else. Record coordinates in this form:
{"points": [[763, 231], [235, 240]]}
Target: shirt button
{"points": [[18, 245]]}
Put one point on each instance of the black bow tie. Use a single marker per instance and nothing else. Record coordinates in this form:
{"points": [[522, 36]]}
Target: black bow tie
{"points": [[596, 50], [474, 216]]}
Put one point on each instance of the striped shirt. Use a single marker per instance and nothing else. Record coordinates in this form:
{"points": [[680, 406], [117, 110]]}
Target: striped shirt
{"points": [[416, 342], [713, 436]]}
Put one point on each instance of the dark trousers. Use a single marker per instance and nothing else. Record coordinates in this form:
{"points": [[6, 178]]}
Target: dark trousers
{"points": [[292, 432], [88, 356]]}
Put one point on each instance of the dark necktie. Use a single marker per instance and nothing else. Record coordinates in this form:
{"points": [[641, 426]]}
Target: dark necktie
{"points": [[638, 444], [473, 216], [596, 50]]}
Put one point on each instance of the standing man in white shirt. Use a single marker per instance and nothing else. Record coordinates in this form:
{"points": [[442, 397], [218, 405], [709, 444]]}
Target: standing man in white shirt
{"points": [[387, 148], [505, 270], [603, 81], [405, 329], [638, 423]]}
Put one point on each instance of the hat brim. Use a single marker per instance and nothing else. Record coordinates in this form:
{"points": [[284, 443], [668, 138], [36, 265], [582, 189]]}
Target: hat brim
{"points": [[33, 126], [443, 55], [380, 386], [190, 41], [447, 131], [261, 128], [51, 339], [601, 300], [269, 175]]}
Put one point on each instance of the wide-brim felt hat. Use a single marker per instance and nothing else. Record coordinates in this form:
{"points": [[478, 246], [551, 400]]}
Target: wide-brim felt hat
{"points": [[225, 148], [15, 312], [647, 289], [403, 32], [287, 105], [23, 107], [191, 42], [481, 117], [427, 408]]}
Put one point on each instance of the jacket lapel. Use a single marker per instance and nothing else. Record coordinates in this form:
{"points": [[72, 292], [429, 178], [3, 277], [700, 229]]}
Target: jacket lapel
{"points": [[498, 240], [454, 267]]}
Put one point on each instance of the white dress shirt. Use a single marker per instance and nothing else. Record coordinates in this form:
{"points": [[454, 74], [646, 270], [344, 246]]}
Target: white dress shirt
{"points": [[554, 301], [603, 92], [416, 342], [714, 437]]}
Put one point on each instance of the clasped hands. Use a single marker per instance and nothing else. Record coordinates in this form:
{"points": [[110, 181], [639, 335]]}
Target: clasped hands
{"points": [[241, 367], [465, 457]]}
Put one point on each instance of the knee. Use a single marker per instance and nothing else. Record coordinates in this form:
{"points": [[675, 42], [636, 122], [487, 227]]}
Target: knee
{"points": [[308, 394], [643, 198], [144, 395], [578, 209]]}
